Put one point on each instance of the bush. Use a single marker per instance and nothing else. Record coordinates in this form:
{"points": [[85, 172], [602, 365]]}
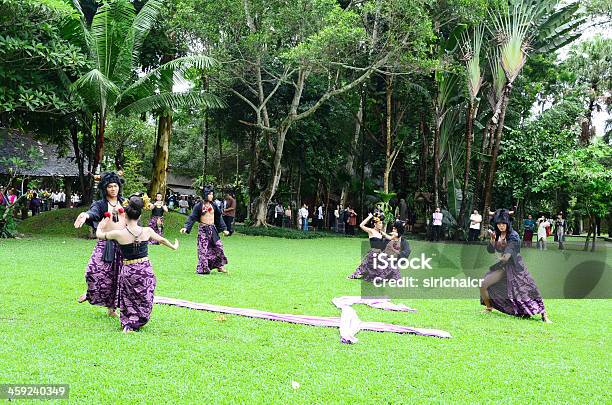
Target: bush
{"points": [[287, 233]]}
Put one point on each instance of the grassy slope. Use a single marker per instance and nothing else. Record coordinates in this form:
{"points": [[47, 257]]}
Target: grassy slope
{"points": [[186, 355]]}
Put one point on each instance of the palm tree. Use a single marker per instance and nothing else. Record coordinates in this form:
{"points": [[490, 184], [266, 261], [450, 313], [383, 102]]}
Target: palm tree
{"points": [[446, 91], [474, 79], [540, 26], [113, 42]]}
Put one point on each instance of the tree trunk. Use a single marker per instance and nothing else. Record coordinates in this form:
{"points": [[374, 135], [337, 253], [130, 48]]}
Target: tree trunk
{"points": [[79, 159], [424, 153], [350, 159], [388, 129], [119, 157], [436, 158], [160, 157], [266, 195], [468, 156], [99, 153], [586, 241], [253, 181], [220, 141], [479, 188], [493, 166], [205, 142]]}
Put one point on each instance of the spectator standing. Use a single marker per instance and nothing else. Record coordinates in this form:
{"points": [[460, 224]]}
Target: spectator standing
{"points": [[529, 226], [278, 214], [320, 222], [229, 213], [436, 225], [304, 217], [560, 230], [183, 205], [475, 221], [35, 204]]}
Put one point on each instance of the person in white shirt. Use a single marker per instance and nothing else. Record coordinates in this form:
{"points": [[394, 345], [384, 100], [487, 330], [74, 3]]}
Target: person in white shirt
{"points": [[475, 221], [436, 226], [288, 216], [183, 205], [542, 225], [278, 214], [304, 217], [54, 200], [336, 217], [62, 199], [320, 217]]}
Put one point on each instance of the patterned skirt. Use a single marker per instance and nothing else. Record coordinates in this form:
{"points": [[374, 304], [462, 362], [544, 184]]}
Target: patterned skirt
{"points": [[136, 287], [368, 271], [157, 228], [101, 277], [516, 293], [210, 250]]}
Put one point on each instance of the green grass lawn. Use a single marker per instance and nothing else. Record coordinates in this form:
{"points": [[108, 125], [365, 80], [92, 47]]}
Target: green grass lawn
{"points": [[183, 355]]}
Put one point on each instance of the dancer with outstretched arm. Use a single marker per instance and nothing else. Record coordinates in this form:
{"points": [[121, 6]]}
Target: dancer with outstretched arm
{"points": [[210, 248], [136, 278], [103, 267], [508, 286]]}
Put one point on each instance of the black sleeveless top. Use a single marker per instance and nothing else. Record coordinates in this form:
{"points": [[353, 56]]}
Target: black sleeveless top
{"points": [[157, 211], [378, 243], [135, 251]]}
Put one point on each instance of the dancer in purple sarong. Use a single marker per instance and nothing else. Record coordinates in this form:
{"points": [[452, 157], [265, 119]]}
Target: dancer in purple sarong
{"points": [[158, 208], [508, 286], [397, 248], [103, 267], [367, 269], [210, 248], [136, 278]]}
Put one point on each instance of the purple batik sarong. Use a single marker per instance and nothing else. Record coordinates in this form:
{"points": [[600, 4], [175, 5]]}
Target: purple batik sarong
{"points": [[101, 277], [136, 287], [516, 293], [210, 250], [158, 229], [368, 271]]}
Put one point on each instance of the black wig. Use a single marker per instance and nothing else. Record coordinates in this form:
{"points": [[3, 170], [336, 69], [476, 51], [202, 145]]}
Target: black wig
{"points": [[109, 178]]}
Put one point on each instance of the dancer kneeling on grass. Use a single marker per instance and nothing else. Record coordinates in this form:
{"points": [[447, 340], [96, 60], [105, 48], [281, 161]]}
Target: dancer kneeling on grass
{"points": [[103, 267], [369, 269], [210, 247], [397, 247], [136, 278], [158, 208], [508, 286]]}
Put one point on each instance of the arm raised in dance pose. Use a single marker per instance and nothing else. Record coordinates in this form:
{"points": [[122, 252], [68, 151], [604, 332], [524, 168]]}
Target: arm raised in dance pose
{"points": [[366, 229], [123, 236]]}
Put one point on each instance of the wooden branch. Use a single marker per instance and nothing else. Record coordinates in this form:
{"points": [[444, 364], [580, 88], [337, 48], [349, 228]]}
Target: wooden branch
{"points": [[258, 125], [342, 89]]}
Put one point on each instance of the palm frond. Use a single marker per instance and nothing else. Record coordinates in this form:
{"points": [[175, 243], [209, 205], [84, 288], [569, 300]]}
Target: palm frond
{"points": [[109, 29], [171, 101], [471, 50], [177, 67], [512, 30], [143, 22], [97, 91]]}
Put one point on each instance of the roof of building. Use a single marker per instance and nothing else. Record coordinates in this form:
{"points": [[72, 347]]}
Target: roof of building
{"points": [[40, 158]]}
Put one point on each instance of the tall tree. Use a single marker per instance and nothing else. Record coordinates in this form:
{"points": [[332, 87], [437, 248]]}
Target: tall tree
{"points": [[113, 42], [474, 78]]}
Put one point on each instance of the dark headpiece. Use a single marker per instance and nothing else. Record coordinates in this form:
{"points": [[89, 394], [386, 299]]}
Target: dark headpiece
{"points": [[207, 190], [501, 216], [109, 178], [400, 227], [378, 216]]}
